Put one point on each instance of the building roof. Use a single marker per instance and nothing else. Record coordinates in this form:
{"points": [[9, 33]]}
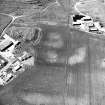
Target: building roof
{"points": [[5, 45]]}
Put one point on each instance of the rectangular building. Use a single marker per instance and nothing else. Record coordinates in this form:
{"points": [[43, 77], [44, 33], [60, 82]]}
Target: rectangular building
{"points": [[5, 45]]}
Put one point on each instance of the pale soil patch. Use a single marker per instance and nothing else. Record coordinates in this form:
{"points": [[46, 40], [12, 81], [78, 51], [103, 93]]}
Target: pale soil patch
{"points": [[55, 40], [78, 57], [37, 98], [80, 101]]}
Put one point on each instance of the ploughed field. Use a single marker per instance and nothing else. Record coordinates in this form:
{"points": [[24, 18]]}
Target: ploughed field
{"points": [[68, 70]]}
